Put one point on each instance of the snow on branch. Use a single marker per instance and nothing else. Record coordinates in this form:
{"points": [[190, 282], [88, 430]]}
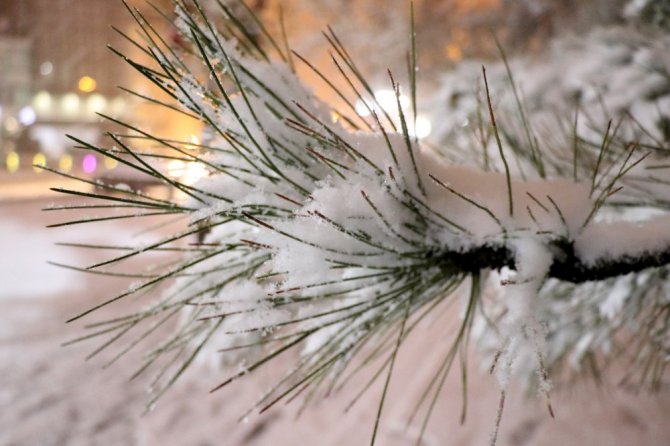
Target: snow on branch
{"points": [[322, 229], [568, 266]]}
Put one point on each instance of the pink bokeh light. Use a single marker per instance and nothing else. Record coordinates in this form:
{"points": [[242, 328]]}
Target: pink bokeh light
{"points": [[89, 163]]}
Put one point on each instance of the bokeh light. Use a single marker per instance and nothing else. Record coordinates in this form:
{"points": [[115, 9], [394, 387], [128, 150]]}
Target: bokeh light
{"points": [[70, 104], [65, 163], [423, 127], [27, 115], [96, 103], [46, 68], [86, 84], [110, 163], [43, 102], [89, 163], [13, 162], [384, 99], [11, 125], [39, 160]]}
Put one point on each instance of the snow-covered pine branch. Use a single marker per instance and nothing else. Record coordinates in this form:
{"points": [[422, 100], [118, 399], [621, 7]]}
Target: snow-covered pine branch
{"points": [[335, 232]]}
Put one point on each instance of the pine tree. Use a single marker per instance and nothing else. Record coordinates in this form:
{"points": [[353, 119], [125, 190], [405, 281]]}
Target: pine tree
{"points": [[335, 232]]}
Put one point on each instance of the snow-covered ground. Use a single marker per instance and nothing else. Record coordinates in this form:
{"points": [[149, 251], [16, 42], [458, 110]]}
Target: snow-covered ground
{"points": [[25, 273]]}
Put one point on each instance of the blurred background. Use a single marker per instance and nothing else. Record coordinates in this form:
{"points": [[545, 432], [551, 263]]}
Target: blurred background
{"points": [[57, 73]]}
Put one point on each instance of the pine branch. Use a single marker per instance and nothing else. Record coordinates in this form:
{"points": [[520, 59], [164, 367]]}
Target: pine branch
{"points": [[566, 265], [323, 234]]}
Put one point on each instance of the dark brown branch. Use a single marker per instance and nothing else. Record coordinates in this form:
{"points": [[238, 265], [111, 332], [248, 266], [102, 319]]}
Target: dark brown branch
{"points": [[567, 265]]}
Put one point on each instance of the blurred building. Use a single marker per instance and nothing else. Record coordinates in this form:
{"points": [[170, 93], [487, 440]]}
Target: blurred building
{"points": [[56, 72]]}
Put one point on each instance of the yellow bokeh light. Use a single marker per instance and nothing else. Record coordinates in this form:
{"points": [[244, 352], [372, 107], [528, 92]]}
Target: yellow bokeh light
{"points": [[39, 160], [70, 104], [86, 84], [13, 162], [96, 103], [110, 163], [65, 163], [43, 102]]}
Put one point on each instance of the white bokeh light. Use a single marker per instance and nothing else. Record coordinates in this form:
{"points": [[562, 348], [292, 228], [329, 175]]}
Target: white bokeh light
{"points": [[27, 115]]}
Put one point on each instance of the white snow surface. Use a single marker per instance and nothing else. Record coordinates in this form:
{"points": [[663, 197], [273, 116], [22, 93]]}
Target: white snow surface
{"points": [[24, 271]]}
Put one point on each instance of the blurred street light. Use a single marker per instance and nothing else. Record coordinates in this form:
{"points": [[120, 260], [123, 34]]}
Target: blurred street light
{"points": [[89, 163], [110, 163], [27, 116], [86, 84], [46, 68], [13, 162], [39, 160], [65, 163]]}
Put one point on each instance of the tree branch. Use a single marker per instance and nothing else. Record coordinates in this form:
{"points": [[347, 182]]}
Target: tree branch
{"points": [[567, 266]]}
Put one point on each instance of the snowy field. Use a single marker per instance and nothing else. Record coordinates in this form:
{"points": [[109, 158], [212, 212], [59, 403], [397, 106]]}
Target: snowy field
{"points": [[49, 394]]}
